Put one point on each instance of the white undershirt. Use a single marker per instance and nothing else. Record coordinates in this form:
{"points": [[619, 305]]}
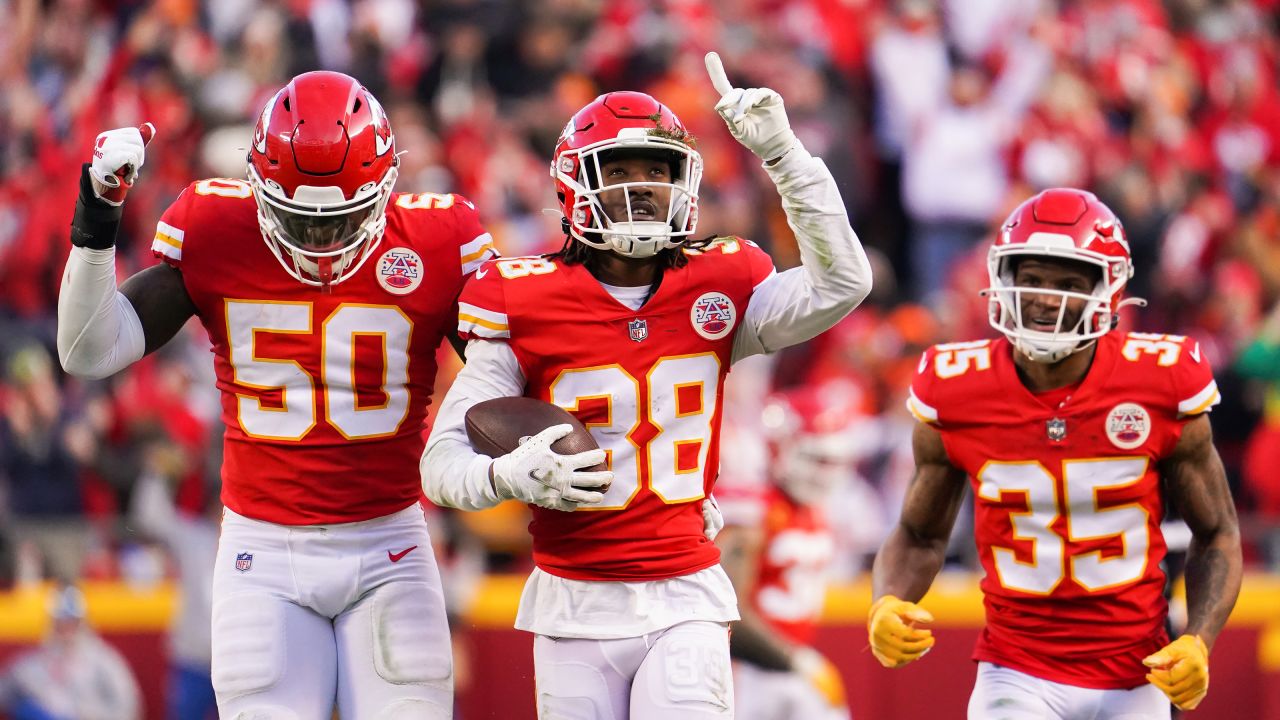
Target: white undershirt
{"points": [[632, 297]]}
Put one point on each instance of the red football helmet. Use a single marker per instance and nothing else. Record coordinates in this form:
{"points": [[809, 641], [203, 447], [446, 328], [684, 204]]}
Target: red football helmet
{"points": [[813, 438], [1061, 223], [322, 166], [626, 122]]}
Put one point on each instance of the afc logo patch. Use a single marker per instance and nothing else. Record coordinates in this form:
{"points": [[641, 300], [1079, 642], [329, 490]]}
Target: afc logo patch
{"points": [[638, 329], [1128, 425], [244, 561], [713, 315], [399, 271]]}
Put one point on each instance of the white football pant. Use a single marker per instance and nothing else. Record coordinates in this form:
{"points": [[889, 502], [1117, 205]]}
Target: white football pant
{"points": [[1004, 694], [350, 613], [679, 673], [761, 694]]}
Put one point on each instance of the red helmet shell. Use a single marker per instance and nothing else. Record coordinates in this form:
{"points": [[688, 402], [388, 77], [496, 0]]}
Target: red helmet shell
{"points": [[1076, 214], [323, 129], [322, 166], [1067, 224], [612, 121], [812, 436]]}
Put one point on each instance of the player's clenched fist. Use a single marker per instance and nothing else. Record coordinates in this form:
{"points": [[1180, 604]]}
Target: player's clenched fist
{"points": [[892, 627], [755, 116], [117, 157], [1181, 670]]}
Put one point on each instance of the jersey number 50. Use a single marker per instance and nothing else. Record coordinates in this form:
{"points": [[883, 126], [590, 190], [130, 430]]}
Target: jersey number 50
{"points": [[297, 412]]}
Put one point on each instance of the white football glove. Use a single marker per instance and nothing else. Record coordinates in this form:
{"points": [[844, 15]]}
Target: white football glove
{"points": [[712, 518], [117, 157], [534, 473], [755, 116]]}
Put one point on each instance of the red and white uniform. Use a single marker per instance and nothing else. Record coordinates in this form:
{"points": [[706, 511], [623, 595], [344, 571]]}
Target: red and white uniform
{"points": [[647, 378], [792, 578], [323, 393], [647, 382], [1067, 497]]}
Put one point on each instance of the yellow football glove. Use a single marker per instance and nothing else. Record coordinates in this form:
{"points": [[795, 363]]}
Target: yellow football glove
{"points": [[821, 674], [1181, 670], [891, 627]]}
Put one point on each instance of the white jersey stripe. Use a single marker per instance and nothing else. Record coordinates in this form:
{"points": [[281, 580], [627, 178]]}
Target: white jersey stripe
{"points": [[1201, 401], [173, 233], [164, 247], [920, 410], [476, 252], [477, 312], [474, 329]]}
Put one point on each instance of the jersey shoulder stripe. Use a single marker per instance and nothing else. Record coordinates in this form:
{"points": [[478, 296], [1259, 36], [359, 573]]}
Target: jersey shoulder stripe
{"points": [[476, 321]]}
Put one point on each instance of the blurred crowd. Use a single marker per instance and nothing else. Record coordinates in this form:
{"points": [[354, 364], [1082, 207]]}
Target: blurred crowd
{"points": [[936, 117]]}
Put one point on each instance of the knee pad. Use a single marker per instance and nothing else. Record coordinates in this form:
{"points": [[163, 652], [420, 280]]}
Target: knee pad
{"points": [[570, 708], [573, 691], [411, 635], [692, 668], [271, 712], [414, 709], [248, 648]]}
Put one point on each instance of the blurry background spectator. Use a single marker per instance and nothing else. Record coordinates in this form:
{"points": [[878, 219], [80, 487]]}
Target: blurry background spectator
{"points": [[73, 675]]}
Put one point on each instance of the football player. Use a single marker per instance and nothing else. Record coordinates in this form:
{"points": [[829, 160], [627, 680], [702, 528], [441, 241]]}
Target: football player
{"points": [[777, 548], [325, 295], [633, 326], [1074, 437]]}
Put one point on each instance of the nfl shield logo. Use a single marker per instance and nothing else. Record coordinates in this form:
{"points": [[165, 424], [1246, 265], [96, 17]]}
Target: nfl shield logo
{"points": [[1056, 429], [244, 561], [639, 329]]}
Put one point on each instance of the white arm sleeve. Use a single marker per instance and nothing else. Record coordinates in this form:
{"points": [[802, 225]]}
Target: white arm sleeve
{"points": [[793, 306], [151, 508], [453, 474], [99, 333]]}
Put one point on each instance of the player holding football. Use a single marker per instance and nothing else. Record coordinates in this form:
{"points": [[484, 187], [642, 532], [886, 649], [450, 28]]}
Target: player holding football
{"points": [[633, 327], [1074, 437], [324, 339], [777, 547]]}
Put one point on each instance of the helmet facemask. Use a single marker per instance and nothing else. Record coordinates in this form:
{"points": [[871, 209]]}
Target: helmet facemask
{"points": [[634, 234], [318, 236], [811, 467], [1097, 308]]}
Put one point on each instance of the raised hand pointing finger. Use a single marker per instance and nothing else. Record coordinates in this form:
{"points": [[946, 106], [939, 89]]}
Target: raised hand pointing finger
{"points": [[719, 80]]}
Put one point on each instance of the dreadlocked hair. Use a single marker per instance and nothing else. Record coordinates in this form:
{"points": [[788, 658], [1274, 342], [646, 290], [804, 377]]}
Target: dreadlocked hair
{"points": [[573, 252]]}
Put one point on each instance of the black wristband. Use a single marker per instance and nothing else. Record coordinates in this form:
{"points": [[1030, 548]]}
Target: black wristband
{"points": [[95, 223]]}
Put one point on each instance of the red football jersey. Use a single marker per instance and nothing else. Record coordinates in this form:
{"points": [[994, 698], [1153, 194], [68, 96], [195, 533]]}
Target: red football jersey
{"points": [[1067, 497], [647, 383], [324, 394], [792, 574]]}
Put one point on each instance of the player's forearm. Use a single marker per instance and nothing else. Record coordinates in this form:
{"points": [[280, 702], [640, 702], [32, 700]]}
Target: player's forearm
{"points": [[1213, 575], [831, 255], [99, 332], [752, 641], [835, 275], [454, 475], [907, 564]]}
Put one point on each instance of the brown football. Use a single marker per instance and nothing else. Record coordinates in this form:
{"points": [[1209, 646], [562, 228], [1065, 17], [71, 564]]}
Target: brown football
{"points": [[496, 426]]}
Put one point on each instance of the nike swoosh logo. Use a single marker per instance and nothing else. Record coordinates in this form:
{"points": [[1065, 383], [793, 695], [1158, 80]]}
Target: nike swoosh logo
{"points": [[396, 557], [481, 272]]}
